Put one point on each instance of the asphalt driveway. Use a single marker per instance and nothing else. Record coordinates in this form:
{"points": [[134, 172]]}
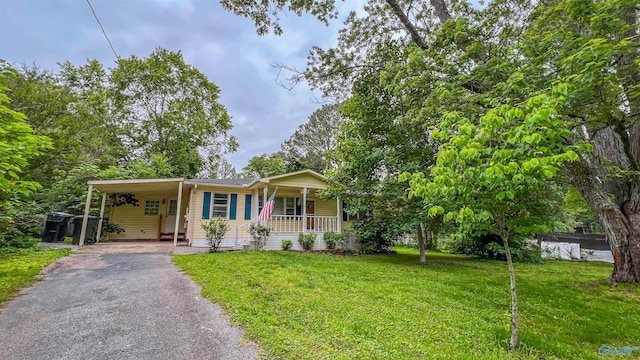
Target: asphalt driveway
{"points": [[117, 306]]}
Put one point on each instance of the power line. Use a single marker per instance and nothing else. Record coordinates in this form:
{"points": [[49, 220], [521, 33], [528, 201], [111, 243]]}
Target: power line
{"points": [[103, 32]]}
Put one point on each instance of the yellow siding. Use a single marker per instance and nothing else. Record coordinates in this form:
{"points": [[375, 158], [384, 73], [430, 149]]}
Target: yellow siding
{"points": [[302, 180], [326, 207], [137, 225], [198, 233]]}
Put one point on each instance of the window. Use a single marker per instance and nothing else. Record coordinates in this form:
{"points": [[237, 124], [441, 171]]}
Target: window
{"points": [[173, 207], [220, 205], [351, 217], [151, 207], [290, 206], [278, 207]]}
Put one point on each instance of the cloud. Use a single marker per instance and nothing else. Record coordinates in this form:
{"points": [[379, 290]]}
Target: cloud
{"points": [[223, 46]]}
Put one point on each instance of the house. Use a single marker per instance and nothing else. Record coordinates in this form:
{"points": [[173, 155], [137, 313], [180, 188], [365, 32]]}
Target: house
{"points": [[174, 209], [575, 246]]}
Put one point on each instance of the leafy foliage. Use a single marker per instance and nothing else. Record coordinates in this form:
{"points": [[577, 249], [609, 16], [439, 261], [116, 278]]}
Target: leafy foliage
{"points": [[307, 240], [309, 145], [333, 239], [264, 166], [287, 244], [259, 234], [215, 231]]}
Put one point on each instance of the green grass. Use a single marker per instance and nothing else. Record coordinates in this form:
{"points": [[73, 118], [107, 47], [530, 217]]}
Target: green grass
{"points": [[19, 267], [310, 306]]}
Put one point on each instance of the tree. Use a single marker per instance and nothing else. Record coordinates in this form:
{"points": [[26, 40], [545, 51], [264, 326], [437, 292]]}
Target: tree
{"points": [[167, 106], [263, 166], [307, 148], [373, 148], [495, 176], [18, 145], [217, 167], [462, 58], [52, 110]]}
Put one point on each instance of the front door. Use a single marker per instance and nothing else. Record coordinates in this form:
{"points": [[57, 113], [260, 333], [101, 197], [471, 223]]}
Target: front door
{"points": [[311, 211], [172, 211]]}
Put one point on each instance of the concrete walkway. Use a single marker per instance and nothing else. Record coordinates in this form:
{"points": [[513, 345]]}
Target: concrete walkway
{"points": [[107, 305]]}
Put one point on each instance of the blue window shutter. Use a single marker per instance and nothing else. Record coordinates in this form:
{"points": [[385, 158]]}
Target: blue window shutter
{"points": [[233, 205], [247, 207], [344, 213], [206, 205], [298, 207]]}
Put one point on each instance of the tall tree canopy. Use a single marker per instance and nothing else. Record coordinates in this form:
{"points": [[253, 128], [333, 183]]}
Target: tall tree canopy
{"points": [[264, 165], [458, 57], [157, 105], [308, 147]]}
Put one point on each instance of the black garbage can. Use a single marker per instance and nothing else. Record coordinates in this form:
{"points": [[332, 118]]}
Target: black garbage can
{"points": [[55, 227], [92, 230]]}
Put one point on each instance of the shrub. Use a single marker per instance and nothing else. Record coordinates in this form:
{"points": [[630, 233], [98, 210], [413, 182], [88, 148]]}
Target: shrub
{"points": [[307, 240], [259, 234], [490, 246], [287, 245], [215, 231], [331, 239]]}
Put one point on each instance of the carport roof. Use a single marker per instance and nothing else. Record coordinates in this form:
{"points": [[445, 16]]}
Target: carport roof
{"points": [[136, 185]]}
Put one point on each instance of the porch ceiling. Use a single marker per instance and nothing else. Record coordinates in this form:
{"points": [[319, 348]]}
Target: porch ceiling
{"points": [[136, 185]]}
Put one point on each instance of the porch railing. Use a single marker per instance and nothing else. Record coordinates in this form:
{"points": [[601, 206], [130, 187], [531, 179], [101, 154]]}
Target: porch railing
{"points": [[295, 223], [289, 224]]}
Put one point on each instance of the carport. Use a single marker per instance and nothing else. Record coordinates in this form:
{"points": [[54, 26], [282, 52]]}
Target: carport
{"points": [[171, 187]]}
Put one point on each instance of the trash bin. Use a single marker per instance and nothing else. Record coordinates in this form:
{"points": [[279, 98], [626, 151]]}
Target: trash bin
{"points": [[92, 229], [55, 227]]}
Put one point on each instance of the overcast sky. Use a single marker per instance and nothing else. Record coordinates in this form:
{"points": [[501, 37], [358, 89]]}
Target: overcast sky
{"points": [[223, 46]]}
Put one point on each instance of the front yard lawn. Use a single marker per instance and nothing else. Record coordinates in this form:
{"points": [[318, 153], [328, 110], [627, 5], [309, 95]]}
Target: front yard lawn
{"points": [[310, 306], [19, 267]]}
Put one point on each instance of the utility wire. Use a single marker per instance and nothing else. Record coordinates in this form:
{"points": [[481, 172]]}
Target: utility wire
{"points": [[103, 32]]}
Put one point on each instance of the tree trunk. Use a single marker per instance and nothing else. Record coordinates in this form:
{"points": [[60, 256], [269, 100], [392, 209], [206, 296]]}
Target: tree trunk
{"points": [[621, 223], [513, 342], [423, 256]]}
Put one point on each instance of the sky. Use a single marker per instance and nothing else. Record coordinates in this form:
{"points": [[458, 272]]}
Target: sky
{"points": [[223, 46]]}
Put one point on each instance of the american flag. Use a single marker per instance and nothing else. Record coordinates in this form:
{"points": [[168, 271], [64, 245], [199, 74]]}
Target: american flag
{"points": [[267, 209]]}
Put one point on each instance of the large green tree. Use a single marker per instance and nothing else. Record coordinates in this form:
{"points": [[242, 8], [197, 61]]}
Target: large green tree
{"points": [[468, 59], [264, 165], [308, 147], [496, 176], [167, 106], [18, 146], [156, 105], [373, 148]]}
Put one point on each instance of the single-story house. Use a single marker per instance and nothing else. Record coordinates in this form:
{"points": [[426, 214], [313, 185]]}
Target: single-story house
{"points": [[174, 209]]}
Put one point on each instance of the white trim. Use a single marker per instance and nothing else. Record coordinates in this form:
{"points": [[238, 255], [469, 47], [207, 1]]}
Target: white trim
{"points": [[178, 214], [192, 212], [203, 183], [104, 200], [306, 171], [211, 205], [132, 181], [85, 217]]}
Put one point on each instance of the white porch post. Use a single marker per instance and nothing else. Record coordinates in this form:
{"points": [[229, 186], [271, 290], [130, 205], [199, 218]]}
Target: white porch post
{"points": [[178, 214], [265, 191], [338, 216], [192, 212], [304, 210], [104, 200], [85, 218], [254, 205]]}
